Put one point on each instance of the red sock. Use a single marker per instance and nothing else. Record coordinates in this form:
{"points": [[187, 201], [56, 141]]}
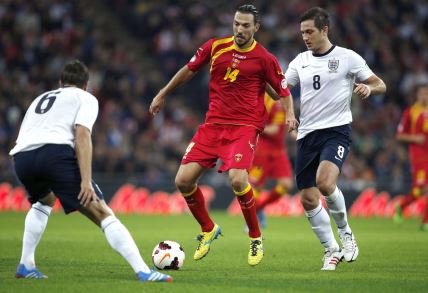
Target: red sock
{"points": [[273, 196], [425, 217], [407, 200], [196, 203], [248, 207]]}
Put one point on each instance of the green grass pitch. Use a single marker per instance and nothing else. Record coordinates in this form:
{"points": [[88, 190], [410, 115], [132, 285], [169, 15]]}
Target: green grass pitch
{"points": [[77, 258]]}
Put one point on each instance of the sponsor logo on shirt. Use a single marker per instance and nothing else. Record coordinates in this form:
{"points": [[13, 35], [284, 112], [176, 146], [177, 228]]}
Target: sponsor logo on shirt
{"points": [[238, 157]]}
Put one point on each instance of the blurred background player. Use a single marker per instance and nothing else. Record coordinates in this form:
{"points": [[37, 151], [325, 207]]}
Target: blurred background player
{"points": [[413, 129], [327, 74], [271, 159], [240, 69], [53, 158]]}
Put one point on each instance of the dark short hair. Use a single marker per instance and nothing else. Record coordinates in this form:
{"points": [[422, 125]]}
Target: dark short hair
{"points": [[319, 15], [250, 9], [74, 73]]}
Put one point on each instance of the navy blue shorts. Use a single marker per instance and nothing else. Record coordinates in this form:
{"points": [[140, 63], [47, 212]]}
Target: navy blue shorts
{"points": [[331, 144], [52, 167]]}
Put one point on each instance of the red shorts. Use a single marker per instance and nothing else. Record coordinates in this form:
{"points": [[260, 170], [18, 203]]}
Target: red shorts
{"points": [[233, 144], [269, 165], [419, 177]]}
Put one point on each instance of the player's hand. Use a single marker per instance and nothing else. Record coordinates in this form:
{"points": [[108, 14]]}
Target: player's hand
{"points": [[419, 139], [291, 122], [362, 90], [157, 104], [87, 194]]}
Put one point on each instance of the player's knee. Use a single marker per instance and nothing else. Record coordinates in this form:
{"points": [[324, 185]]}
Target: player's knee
{"points": [[325, 185], [309, 202], [183, 184], [238, 184]]}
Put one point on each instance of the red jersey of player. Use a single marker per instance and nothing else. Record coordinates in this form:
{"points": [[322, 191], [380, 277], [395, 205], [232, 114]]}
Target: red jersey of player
{"points": [[240, 69], [413, 129], [271, 160]]}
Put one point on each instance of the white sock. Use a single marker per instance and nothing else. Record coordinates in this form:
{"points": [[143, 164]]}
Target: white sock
{"points": [[336, 205], [121, 241], [35, 224], [320, 222]]}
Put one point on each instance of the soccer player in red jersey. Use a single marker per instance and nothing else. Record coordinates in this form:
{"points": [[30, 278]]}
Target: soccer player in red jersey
{"points": [[271, 160], [413, 129], [240, 70]]}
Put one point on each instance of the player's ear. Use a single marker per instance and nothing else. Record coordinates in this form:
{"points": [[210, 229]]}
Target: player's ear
{"points": [[325, 30], [257, 26]]}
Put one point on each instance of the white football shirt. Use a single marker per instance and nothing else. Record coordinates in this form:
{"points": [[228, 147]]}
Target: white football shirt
{"points": [[326, 86], [52, 116]]}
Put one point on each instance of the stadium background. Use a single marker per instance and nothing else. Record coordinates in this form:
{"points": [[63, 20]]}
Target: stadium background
{"points": [[133, 47]]}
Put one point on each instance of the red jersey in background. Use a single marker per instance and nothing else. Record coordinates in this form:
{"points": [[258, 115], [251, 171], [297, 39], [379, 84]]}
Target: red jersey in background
{"points": [[415, 121]]}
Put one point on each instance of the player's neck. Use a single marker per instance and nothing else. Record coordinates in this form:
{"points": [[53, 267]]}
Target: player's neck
{"points": [[326, 47], [246, 45]]}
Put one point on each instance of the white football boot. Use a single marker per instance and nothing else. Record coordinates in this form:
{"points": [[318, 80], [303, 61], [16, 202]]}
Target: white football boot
{"points": [[332, 257], [349, 245]]}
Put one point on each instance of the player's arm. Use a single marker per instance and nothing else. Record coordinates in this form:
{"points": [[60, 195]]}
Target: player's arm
{"points": [[410, 138], [287, 104], [181, 77], [84, 158], [372, 85]]}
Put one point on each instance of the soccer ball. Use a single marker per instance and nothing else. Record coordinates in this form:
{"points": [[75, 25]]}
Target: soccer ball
{"points": [[168, 255]]}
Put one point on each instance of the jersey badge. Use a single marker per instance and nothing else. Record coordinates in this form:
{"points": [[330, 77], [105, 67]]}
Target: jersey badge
{"points": [[238, 157], [333, 65], [284, 83]]}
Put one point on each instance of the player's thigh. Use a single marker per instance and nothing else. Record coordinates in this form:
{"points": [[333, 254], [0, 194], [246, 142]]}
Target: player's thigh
{"points": [[327, 173], [66, 180], [188, 175]]}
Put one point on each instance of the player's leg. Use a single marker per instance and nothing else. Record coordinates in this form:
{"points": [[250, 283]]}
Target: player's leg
{"points": [[307, 161], [405, 202], [257, 178], [186, 182], [333, 154], [42, 200], [35, 225], [121, 240], [419, 181], [282, 186], [424, 223], [320, 224], [243, 190], [278, 168]]}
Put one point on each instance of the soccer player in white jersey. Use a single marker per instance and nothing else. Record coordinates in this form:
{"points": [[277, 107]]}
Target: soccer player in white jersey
{"points": [[53, 158], [328, 76]]}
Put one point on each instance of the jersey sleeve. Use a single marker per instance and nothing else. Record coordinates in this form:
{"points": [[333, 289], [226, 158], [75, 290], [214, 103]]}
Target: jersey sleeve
{"points": [[275, 77], [291, 74], [358, 67], [88, 111], [404, 125], [202, 56]]}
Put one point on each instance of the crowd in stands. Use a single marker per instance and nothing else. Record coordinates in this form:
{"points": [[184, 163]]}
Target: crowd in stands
{"points": [[38, 37]]}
